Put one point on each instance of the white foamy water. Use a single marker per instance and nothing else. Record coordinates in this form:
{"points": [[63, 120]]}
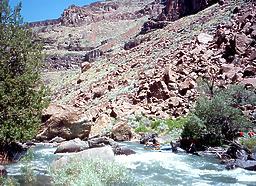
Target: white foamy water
{"points": [[167, 168], [157, 168]]}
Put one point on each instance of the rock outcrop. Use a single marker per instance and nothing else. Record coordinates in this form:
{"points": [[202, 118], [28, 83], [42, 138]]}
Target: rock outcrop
{"points": [[64, 121]]}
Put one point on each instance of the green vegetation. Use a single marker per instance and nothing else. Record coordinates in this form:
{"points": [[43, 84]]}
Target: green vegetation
{"points": [[21, 94], [217, 117], [160, 126], [249, 143], [91, 172]]}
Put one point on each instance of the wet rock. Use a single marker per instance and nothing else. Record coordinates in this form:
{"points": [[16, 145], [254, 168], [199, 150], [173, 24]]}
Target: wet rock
{"points": [[3, 171], [75, 145], [101, 141], [147, 137], [244, 164], [123, 151]]}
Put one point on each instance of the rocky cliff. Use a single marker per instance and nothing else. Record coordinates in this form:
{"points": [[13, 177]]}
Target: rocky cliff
{"points": [[156, 74]]}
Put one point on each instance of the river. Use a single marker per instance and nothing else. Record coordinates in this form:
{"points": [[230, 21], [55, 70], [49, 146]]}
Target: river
{"points": [[152, 168]]}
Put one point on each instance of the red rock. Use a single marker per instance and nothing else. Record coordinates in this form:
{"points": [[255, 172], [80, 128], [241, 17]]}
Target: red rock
{"points": [[121, 132]]}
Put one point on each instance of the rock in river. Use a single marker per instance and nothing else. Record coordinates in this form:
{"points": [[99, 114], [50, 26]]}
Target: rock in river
{"points": [[74, 145]]}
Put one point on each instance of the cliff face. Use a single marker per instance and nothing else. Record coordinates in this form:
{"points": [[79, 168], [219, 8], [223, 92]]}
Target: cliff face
{"points": [[105, 27], [108, 11], [176, 9]]}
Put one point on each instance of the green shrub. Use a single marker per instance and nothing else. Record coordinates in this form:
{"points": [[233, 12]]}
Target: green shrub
{"points": [[92, 172], [155, 124], [176, 123], [193, 128], [8, 181], [218, 117], [249, 143], [141, 128]]}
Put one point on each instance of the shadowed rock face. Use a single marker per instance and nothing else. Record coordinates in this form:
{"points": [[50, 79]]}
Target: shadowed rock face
{"points": [[176, 9]]}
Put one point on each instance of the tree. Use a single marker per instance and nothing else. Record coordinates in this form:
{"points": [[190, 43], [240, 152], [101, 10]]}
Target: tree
{"points": [[22, 95]]}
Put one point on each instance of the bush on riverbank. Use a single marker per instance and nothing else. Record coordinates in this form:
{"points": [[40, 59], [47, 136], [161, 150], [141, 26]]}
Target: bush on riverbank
{"points": [[249, 143], [217, 117], [92, 172]]}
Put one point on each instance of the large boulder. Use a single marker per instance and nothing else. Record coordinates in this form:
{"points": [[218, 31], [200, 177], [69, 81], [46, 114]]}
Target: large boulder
{"points": [[104, 153], [64, 121], [121, 132], [74, 145]]}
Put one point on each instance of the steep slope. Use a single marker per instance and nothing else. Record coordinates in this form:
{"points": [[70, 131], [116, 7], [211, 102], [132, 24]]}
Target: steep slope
{"points": [[158, 77]]}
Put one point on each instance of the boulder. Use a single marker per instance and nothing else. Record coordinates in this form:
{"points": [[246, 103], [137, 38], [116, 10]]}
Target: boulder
{"points": [[102, 123], [123, 151], [204, 38], [104, 153], [3, 171], [66, 122], [101, 141], [244, 164], [121, 132], [74, 145]]}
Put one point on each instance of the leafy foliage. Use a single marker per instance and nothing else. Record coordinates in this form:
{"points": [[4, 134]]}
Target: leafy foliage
{"points": [[91, 172], [249, 143], [218, 118], [21, 94], [161, 125]]}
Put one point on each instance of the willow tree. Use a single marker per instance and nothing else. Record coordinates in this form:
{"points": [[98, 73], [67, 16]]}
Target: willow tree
{"points": [[22, 96]]}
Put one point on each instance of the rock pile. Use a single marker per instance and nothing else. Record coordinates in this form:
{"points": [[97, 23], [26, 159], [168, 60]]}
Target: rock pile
{"points": [[226, 57]]}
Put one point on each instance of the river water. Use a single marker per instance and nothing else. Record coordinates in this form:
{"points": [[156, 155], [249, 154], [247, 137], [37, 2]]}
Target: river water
{"points": [[152, 168]]}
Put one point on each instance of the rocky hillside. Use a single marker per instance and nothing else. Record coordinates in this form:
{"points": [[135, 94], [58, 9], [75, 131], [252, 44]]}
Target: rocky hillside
{"points": [[154, 74], [85, 33]]}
